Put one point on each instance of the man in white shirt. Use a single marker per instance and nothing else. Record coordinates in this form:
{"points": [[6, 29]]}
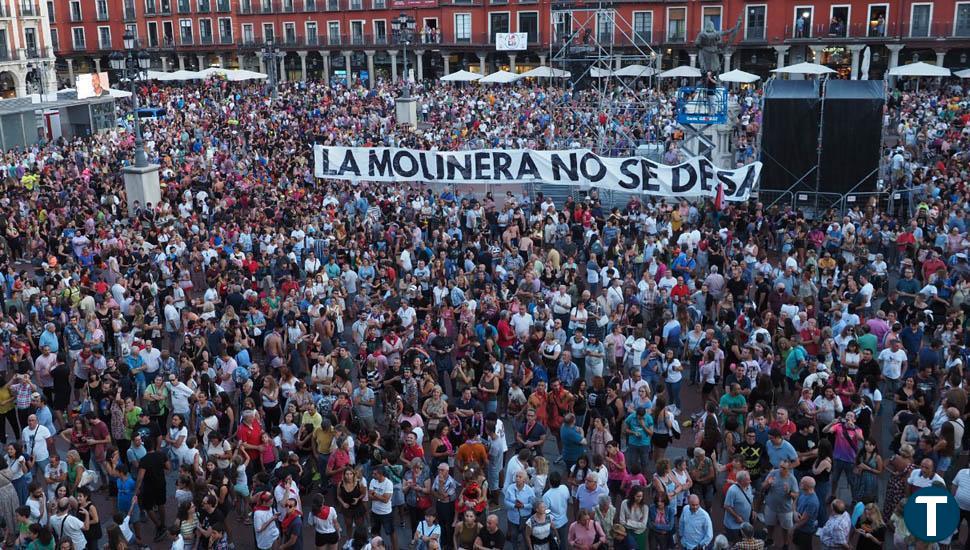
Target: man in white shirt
{"points": [[34, 436], [380, 489], [893, 361], [522, 323], [68, 527], [264, 522]]}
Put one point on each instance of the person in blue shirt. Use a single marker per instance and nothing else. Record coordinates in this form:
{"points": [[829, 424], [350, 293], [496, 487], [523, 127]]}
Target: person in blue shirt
{"points": [[556, 499], [779, 449], [806, 513], [696, 531], [49, 338], [519, 498], [912, 337], [572, 441]]}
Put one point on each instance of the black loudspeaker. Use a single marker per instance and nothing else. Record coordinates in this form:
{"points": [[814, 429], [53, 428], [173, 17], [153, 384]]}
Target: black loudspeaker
{"points": [[789, 135], [851, 135]]}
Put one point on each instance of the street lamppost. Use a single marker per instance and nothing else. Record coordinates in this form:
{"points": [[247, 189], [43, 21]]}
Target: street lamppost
{"points": [[405, 30], [271, 56], [133, 64]]}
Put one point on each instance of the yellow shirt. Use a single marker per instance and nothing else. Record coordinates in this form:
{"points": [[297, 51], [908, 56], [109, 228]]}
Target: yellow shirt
{"points": [[4, 396]]}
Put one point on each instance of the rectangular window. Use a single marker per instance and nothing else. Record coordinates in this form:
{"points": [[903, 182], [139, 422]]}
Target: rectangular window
{"points": [[754, 22], [463, 27], [288, 6], [712, 15], [166, 6], [268, 32], [961, 23], [529, 24], [55, 41], [205, 31], [839, 21], [102, 9], [149, 7], [380, 32], [184, 6], [4, 49], [168, 31], [152, 34], [562, 26], [129, 9], [333, 5], [803, 22], [311, 33], [604, 26], [225, 30], [356, 4], [333, 33], [919, 21], [50, 10], [266, 6], [642, 27], [878, 17], [30, 40], [185, 31], [246, 6], [497, 22], [676, 24], [203, 6], [223, 6], [289, 33], [77, 36], [104, 38], [248, 36], [309, 5], [75, 10], [357, 33], [378, 4]]}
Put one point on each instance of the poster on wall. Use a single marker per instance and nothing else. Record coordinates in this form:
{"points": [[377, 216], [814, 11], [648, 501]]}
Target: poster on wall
{"points": [[91, 85], [695, 177], [511, 41]]}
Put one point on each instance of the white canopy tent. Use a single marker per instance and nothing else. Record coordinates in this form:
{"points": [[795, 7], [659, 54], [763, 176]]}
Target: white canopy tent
{"points": [[500, 77], [232, 75], [636, 71], [461, 76], [804, 68], [546, 72], [965, 73], [180, 75], [597, 72], [684, 71], [738, 75], [919, 69]]}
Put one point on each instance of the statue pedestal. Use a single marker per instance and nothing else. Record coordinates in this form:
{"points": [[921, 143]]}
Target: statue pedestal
{"points": [[141, 185], [406, 111]]}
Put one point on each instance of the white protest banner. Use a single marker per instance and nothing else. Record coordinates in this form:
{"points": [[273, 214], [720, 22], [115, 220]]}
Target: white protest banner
{"points": [[511, 41], [697, 177]]}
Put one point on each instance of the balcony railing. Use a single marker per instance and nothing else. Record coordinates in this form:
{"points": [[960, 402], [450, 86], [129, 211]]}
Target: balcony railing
{"points": [[677, 37], [79, 46], [205, 40], [366, 40], [185, 40], [313, 40], [225, 39]]}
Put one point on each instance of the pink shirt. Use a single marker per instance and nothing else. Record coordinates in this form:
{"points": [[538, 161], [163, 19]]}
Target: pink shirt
{"points": [[580, 536]]}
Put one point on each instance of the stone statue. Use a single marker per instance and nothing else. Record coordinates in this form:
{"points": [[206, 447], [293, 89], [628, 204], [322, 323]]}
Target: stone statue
{"points": [[710, 46]]}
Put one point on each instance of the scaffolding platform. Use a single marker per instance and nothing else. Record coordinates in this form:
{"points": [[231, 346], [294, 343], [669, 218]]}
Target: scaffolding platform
{"points": [[701, 106]]}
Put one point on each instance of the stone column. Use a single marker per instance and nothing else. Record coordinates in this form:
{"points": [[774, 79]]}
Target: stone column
{"points": [[241, 60], [302, 55], [481, 62], [182, 62], [817, 50], [370, 67], [97, 64], [780, 51], [542, 60], [281, 68], [21, 79], [511, 62], [419, 64], [201, 58], [347, 63], [894, 50], [856, 50], [393, 54], [262, 63], [326, 65], [164, 63], [221, 61], [447, 59], [70, 69], [940, 56], [727, 61], [693, 59]]}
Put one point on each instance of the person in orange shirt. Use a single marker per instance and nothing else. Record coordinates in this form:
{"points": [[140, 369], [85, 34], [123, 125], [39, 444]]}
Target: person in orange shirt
{"points": [[471, 454]]}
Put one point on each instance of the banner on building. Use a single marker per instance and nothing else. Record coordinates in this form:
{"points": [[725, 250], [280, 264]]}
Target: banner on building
{"points": [[511, 41], [697, 177]]}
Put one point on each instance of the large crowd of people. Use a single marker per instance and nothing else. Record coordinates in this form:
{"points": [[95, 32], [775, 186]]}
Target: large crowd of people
{"points": [[313, 363]]}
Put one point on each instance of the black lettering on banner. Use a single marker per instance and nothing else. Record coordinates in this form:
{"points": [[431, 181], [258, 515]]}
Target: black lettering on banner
{"points": [[584, 164], [626, 169], [379, 163], [726, 177], [501, 163], [454, 164], [572, 171], [399, 169], [748, 182], [648, 176], [324, 156], [705, 169], [425, 172], [483, 167], [527, 167], [682, 183], [349, 165]]}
